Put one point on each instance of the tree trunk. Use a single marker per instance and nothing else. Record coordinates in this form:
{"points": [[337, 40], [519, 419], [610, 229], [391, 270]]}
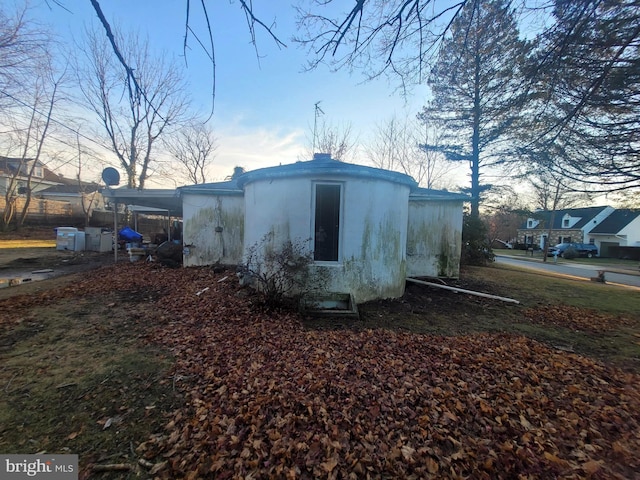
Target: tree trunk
{"points": [[9, 211], [475, 144], [556, 199]]}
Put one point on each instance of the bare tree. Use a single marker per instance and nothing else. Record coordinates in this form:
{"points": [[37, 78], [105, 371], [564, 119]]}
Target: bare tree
{"points": [[397, 145], [389, 145], [504, 219], [553, 192], [88, 192], [134, 115], [432, 169], [29, 141], [12, 189], [628, 199], [584, 72], [23, 47], [24, 170], [192, 148], [590, 48], [396, 37], [38, 128], [338, 141]]}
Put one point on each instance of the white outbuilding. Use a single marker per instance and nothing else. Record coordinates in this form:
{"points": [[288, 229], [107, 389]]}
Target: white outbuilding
{"points": [[367, 228]]}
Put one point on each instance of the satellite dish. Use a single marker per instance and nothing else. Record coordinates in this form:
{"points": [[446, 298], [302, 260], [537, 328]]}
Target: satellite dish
{"points": [[110, 176]]}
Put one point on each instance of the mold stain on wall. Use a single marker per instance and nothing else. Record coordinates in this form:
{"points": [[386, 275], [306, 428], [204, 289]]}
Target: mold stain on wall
{"points": [[214, 235], [433, 244]]}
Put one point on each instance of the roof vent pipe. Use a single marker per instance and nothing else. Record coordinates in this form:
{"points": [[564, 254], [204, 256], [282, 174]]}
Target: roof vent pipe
{"points": [[322, 157]]}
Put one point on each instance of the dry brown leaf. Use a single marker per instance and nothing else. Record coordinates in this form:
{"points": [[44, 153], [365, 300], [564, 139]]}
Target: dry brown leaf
{"points": [[264, 396], [329, 465]]}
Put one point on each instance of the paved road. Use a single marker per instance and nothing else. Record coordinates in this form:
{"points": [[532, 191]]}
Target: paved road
{"points": [[573, 269]]}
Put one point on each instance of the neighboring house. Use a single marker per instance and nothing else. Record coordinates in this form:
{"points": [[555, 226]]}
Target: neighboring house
{"points": [[618, 235], [17, 170], [51, 194], [605, 227], [368, 228], [81, 197]]}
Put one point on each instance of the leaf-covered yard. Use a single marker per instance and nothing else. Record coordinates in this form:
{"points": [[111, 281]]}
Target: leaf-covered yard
{"points": [[259, 394]]}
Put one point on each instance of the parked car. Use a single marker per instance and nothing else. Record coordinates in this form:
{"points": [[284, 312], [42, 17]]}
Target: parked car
{"points": [[584, 249]]}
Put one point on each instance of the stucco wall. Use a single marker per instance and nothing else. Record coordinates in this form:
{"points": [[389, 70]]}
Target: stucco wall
{"points": [[434, 239], [213, 229], [373, 234]]}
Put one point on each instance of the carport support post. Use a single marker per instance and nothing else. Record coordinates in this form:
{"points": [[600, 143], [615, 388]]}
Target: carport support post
{"points": [[115, 231]]}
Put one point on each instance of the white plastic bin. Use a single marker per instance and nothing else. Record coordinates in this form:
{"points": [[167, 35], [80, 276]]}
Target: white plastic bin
{"points": [[97, 240], [69, 238]]}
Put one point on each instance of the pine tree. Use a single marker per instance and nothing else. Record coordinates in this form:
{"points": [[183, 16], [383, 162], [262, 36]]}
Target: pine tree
{"points": [[476, 85]]}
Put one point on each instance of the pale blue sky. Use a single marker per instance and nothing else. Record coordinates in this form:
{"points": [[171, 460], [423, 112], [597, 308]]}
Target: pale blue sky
{"points": [[264, 109]]}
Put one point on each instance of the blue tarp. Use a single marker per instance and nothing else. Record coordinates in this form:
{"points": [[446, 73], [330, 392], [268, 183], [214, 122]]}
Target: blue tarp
{"points": [[129, 235]]}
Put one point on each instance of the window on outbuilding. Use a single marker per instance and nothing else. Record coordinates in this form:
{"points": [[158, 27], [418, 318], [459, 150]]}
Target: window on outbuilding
{"points": [[327, 222]]}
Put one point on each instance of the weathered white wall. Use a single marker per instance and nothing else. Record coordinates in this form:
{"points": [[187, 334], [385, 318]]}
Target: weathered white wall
{"points": [[278, 207], [434, 238], [202, 214], [373, 233]]}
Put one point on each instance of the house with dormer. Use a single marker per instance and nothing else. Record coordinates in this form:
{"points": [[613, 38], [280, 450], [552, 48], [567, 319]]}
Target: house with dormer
{"points": [[605, 227], [618, 235]]}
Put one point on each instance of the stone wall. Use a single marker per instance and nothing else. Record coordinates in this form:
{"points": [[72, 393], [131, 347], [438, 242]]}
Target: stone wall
{"points": [[575, 235]]}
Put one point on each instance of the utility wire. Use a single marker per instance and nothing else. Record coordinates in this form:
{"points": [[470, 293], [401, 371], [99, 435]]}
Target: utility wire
{"points": [[24, 104]]}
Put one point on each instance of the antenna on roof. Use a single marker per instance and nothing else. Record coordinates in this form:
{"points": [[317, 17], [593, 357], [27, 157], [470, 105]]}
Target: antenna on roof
{"points": [[318, 112]]}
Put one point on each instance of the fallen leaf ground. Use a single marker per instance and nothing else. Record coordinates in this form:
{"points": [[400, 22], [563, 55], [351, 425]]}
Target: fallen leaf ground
{"points": [[181, 374]]}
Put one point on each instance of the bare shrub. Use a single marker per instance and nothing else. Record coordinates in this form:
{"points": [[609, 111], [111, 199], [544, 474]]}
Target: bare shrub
{"points": [[280, 273]]}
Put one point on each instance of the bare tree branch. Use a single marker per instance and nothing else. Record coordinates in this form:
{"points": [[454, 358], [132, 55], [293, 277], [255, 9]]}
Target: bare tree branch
{"points": [[132, 126], [193, 149]]}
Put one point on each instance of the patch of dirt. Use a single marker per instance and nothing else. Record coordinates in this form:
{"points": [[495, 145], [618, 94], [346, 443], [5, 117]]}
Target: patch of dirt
{"points": [[27, 259], [429, 309], [23, 260], [32, 265]]}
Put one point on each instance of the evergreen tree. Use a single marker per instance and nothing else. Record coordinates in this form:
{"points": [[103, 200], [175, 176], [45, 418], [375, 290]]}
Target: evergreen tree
{"points": [[476, 85], [588, 73]]}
